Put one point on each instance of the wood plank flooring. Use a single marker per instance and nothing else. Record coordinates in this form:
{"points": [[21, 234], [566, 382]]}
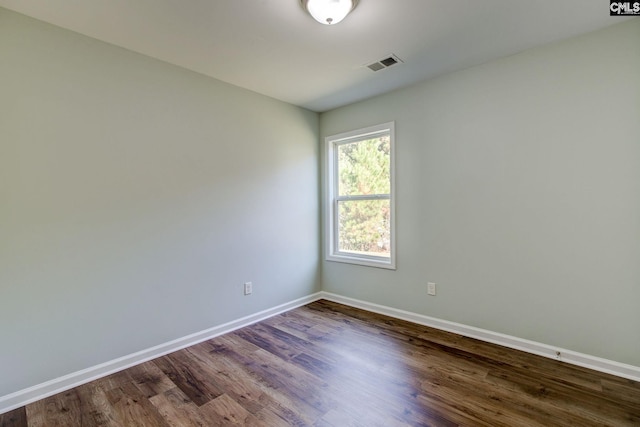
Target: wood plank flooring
{"points": [[329, 365]]}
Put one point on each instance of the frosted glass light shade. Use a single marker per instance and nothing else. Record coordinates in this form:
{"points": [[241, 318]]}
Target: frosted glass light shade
{"points": [[329, 12]]}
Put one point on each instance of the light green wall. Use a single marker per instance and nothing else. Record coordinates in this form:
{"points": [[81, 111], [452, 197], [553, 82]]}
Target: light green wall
{"points": [[518, 193], [135, 199]]}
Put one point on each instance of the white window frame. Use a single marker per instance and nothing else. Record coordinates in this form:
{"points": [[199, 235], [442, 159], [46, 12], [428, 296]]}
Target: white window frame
{"points": [[331, 200]]}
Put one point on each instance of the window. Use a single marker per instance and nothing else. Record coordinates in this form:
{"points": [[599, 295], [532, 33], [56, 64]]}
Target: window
{"points": [[360, 206]]}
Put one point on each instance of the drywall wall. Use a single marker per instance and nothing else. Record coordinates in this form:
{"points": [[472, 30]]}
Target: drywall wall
{"points": [[135, 199], [518, 193]]}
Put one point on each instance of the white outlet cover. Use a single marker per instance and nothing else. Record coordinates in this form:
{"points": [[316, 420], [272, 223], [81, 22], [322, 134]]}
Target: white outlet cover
{"points": [[431, 288]]}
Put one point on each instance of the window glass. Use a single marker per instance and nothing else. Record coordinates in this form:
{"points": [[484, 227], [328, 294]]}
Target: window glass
{"points": [[363, 167]]}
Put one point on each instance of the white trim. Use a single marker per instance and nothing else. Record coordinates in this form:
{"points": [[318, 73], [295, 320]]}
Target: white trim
{"points": [[572, 357], [49, 388], [330, 181], [75, 379]]}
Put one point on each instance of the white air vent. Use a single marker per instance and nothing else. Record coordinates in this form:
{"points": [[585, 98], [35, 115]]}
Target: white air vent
{"points": [[386, 62]]}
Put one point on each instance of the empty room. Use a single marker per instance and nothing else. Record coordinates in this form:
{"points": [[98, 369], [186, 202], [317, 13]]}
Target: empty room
{"points": [[319, 213]]}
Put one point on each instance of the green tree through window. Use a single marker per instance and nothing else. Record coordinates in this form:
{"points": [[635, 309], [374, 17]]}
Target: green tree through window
{"points": [[364, 170]]}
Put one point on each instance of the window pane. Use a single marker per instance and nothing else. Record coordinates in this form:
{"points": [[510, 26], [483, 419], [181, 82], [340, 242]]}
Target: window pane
{"points": [[364, 227], [364, 167]]}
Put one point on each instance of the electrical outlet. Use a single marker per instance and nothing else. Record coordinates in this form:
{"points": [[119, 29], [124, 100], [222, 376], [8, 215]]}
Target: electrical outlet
{"points": [[248, 288], [431, 288]]}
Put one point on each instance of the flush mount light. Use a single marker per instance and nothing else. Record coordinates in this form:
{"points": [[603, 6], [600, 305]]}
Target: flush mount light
{"points": [[329, 12]]}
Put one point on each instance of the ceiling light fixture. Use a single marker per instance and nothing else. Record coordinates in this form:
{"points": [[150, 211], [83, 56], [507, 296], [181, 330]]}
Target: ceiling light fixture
{"points": [[329, 12]]}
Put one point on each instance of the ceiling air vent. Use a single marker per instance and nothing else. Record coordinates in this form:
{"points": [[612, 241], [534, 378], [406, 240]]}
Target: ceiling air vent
{"points": [[384, 63]]}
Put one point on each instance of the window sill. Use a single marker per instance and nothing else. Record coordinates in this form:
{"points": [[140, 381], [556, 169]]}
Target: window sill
{"points": [[366, 262]]}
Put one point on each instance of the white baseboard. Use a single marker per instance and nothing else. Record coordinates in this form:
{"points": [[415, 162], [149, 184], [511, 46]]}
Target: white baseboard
{"points": [[49, 388], [587, 361]]}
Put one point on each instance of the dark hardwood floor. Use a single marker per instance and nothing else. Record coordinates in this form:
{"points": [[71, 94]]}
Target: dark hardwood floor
{"points": [[326, 364]]}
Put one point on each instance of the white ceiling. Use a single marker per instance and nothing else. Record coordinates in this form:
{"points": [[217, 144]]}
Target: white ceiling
{"points": [[273, 47]]}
